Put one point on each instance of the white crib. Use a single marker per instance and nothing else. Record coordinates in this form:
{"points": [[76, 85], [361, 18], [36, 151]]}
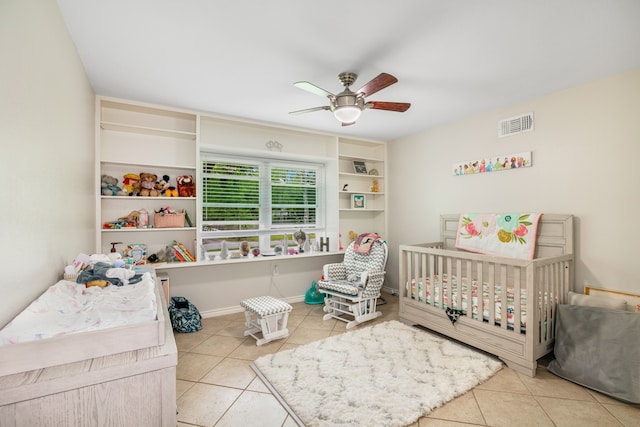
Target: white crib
{"points": [[508, 304]]}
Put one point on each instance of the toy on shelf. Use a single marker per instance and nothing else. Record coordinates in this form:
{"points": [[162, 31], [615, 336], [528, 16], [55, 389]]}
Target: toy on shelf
{"points": [[148, 184], [186, 186], [109, 186], [165, 188], [131, 184]]}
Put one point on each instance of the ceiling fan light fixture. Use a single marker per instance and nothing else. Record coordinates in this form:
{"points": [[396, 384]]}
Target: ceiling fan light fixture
{"points": [[347, 113]]}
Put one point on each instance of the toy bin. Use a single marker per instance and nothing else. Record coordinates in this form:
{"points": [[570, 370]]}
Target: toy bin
{"points": [[173, 220]]}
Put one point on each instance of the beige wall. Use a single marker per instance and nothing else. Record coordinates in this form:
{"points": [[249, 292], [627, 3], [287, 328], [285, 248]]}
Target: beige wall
{"points": [[584, 147], [46, 161]]}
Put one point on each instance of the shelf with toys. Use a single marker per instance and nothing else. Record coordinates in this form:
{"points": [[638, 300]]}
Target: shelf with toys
{"points": [[146, 163]]}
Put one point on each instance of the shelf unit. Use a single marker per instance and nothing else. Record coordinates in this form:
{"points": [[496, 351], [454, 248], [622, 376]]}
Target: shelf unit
{"points": [[371, 215], [135, 138]]}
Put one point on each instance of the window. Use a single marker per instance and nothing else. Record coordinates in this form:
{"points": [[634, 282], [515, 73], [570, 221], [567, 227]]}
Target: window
{"points": [[262, 201]]}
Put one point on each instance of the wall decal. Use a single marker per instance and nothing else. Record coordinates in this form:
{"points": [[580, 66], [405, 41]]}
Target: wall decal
{"points": [[493, 163]]}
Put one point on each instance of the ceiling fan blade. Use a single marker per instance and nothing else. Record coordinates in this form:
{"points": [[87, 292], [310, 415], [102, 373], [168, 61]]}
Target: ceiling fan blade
{"points": [[378, 83], [400, 107], [310, 87], [309, 110]]}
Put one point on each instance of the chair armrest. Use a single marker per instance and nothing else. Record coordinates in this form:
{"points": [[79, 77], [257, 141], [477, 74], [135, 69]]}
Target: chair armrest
{"points": [[334, 271], [373, 284]]}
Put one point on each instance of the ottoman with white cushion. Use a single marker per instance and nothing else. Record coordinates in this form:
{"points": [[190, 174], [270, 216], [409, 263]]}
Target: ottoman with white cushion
{"points": [[268, 315]]}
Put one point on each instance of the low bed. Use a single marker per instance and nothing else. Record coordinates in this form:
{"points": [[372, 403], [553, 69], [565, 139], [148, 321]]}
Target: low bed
{"points": [[504, 306], [90, 356]]}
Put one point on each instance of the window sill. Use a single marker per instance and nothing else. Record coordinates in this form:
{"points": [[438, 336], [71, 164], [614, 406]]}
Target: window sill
{"points": [[241, 260]]}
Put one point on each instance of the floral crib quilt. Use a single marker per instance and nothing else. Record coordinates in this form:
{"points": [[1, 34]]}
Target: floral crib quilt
{"points": [[511, 235]]}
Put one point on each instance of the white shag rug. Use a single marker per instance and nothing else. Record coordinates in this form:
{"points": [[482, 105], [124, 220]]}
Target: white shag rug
{"points": [[389, 374]]}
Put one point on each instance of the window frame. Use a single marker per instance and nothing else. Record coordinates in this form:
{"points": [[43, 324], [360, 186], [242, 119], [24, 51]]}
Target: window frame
{"points": [[266, 234]]}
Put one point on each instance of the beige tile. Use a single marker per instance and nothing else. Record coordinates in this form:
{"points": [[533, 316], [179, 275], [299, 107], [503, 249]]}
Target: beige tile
{"points": [[301, 308], [230, 373], [212, 325], [306, 335], [510, 409], [315, 322], [182, 386], [193, 366], [431, 422], [186, 342], [204, 404], [258, 386], [250, 351], [233, 329], [293, 321], [577, 413], [217, 345], [628, 415], [463, 409], [254, 409], [548, 385], [505, 380]]}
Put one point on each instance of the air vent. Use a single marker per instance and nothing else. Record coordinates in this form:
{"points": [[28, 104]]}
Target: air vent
{"points": [[515, 125]]}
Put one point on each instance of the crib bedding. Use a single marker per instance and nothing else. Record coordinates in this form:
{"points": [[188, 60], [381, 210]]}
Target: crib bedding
{"points": [[69, 308], [419, 290]]}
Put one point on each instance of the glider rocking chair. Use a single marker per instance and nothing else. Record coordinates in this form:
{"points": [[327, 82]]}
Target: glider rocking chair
{"points": [[352, 287]]}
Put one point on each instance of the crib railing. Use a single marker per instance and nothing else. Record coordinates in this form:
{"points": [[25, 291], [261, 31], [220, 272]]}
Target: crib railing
{"points": [[510, 294]]}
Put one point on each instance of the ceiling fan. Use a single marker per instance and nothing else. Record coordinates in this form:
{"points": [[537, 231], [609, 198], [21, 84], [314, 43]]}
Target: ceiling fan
{"points": [[347, 105]]}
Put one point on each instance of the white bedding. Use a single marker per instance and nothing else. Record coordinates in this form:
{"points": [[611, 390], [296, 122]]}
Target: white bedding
{"points": [[68, 307]]}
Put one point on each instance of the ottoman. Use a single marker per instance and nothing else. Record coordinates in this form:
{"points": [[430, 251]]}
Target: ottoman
{"points": [[268, 315]]}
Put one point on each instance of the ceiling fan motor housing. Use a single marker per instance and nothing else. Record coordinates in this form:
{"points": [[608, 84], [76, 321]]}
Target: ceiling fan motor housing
{"points": [[347, 78]]}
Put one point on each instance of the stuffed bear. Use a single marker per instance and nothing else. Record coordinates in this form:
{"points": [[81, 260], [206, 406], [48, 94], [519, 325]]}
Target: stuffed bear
{"points": [[186, 186], [148, 184], [131, 184], [109, 186]]}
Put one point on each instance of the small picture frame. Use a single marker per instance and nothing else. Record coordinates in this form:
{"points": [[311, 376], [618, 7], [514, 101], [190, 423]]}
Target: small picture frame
{"points": [[358, 201], [359, 167]]}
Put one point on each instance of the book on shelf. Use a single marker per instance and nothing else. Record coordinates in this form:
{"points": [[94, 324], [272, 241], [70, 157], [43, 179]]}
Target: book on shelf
{"points": [[182, 253], [188, 218]]}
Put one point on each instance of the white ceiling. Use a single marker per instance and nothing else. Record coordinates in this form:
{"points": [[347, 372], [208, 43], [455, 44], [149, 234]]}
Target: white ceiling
{"points": [[452, 58]]}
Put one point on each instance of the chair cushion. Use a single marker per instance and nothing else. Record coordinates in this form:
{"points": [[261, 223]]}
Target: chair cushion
{"points": [[265, 306], [356, 263], [342, 286]]}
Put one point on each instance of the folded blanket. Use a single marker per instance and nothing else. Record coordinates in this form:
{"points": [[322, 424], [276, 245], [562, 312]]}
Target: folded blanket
{"points": [[364, 242]]}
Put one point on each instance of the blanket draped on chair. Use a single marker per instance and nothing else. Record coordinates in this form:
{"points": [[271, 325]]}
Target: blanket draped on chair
{"points": [[511, 235]]}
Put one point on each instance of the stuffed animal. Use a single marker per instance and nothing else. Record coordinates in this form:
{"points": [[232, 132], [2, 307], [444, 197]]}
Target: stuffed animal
{"points": [[109, 186], [148, 184], [165, 188], [186, 186], [131, 184]]}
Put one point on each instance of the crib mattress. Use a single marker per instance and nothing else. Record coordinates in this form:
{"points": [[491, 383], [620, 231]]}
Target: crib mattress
{"points": [[70, 308]]}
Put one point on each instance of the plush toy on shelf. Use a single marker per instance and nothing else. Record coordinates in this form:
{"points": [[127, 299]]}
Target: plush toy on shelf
{"points": [[148, 184], [165, 188], [186, 186], [109, 186], [131, 184]]}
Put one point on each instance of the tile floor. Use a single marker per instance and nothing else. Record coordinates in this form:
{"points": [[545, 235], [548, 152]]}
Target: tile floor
{"points": [[216, 386]]}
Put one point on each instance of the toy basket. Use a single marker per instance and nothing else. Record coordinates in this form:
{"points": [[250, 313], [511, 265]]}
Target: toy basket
{"points": [[173, 220]]}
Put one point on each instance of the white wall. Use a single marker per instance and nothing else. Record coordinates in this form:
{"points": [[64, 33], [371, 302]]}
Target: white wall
{"points": [[585, 146], [46, 162]]}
